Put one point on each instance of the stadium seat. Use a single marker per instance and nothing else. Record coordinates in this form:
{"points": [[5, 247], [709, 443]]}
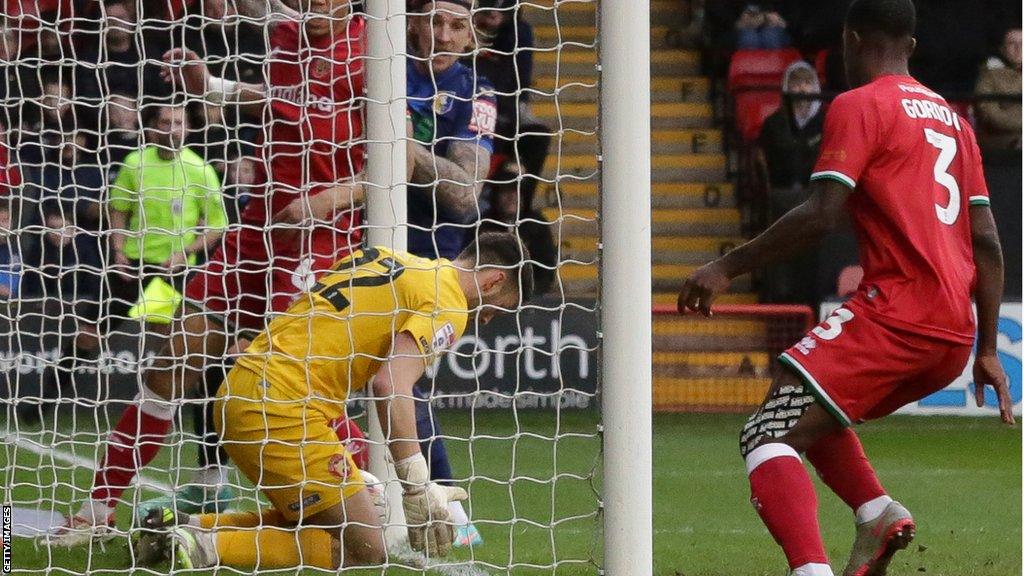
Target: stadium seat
{"points": [[755, 80], [848, 280]]}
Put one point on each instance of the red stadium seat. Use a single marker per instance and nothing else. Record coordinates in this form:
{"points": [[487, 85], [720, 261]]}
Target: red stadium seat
{"points": [[752, 109], [760, 67], [849, 280], [755, 81]]}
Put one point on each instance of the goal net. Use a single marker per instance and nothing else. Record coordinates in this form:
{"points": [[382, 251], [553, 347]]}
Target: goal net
{"points": [[156, 218]]}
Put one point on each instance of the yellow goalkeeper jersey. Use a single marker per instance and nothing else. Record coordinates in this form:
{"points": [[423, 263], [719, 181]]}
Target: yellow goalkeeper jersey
{"points": [[333, 339]]}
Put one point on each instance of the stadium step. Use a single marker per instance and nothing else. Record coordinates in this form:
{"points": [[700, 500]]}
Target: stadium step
{"points": [[669, 298], [680, 222], [584, 115], [663, 142], [664, 277], [696, 364], [584, 12], [664, 168], [710, 394], [583, 88], [674, 194], [576, 60], [692, 250], [548, 36]]}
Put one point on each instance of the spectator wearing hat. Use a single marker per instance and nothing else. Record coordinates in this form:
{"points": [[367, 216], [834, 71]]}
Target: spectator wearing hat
{"points": [[506, 57], [999, 121]]}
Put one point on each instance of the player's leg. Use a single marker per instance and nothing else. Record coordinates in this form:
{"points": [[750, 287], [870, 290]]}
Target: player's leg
{"points": [[787, 423], [885, 526], [428, 429], [144, 424], [301, 472]]}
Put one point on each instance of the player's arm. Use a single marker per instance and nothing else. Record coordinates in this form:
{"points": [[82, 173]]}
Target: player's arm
{"points": [[188, 72], [425, 502], [260, 9], [798, 230], [988, 295], [457, 179]]}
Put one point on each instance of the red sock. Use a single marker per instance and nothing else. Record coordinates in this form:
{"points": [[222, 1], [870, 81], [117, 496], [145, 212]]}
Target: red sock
{"points": [[783, 495], [842, 465], [133, 444]]}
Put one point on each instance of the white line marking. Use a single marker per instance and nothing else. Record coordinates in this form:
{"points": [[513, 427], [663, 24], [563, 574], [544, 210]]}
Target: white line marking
{"points": [[141, 481]]}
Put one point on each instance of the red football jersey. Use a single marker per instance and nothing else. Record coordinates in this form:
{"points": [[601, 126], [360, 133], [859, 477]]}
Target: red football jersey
{"points": [[915, 168], [313, 124]]}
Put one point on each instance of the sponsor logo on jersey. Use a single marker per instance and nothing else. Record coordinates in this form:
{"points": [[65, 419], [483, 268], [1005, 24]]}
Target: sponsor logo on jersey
{"points": [[485, 117], [296, 95], [443, 338], [320, 67], [338, 466], [806, 345], [304, 503], [443, 102]]}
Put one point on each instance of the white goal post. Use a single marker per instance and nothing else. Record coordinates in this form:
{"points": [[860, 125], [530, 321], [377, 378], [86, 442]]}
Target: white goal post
{"points": [[625, 300]]}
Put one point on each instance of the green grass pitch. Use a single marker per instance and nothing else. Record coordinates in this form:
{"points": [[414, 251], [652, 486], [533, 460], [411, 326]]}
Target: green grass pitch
{"points": [[960, 476]]}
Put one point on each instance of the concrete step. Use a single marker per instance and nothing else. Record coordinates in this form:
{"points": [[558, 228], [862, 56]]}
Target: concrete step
{"points": [[692, 250], [582, 278], [663, 88], [708, 394], [548, 35], [663, 142], [584, 12], [664, 222], [669, 298], [669, 168], [584, 116], [663, 195], [717, 364], [574, 60]]}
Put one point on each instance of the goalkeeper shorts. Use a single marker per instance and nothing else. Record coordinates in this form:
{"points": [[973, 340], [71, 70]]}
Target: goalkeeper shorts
{"points": [[288, 451]]}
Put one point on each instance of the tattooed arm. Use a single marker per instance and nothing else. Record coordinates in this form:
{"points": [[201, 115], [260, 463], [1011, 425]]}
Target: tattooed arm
{"points": [[456, 180]]}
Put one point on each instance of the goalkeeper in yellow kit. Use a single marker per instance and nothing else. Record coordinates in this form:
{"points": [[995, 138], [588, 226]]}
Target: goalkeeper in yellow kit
{"points": [[377, 320]]}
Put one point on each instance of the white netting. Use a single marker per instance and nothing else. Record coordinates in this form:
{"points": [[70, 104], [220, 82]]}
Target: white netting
{"points": [[136, 190]]}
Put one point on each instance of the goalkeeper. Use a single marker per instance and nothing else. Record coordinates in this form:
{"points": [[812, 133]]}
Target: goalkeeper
{"points": [[378, 319]]}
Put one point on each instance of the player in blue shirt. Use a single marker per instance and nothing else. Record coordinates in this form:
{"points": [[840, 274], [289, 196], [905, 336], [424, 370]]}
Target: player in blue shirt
{"points": [[453, 113]]}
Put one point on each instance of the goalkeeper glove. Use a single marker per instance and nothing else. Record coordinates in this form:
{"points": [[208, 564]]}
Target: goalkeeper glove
{"points": [[426, 507]]}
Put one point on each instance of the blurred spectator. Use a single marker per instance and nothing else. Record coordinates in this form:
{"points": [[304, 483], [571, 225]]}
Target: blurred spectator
{"points": [[241, 182], [506, 57], [121, 132], [55, 268], [10, 259], [453, 114], [10, 176], [71, 175], [789, 139], [787, 149], [121, 59], [509, 213], [999, 120], [761, 27]]}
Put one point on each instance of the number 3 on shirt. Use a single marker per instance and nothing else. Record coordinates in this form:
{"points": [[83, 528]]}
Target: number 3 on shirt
{"points": [[947, 151]]}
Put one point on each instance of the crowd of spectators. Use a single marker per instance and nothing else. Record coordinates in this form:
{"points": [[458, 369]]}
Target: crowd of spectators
{"points": [[971, 56], [83, 103]]}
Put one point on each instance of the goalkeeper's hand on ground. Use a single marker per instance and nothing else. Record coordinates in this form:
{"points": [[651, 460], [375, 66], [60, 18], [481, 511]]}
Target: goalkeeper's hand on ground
{"points": [[426, 507]]}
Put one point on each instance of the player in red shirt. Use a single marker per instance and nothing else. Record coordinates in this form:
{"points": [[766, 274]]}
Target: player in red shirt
{"points": [[305, 222], [907, 170]]}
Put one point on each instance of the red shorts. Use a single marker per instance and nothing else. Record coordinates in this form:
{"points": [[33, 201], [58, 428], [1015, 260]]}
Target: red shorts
{"points": [[246, 280], [860, 369]]}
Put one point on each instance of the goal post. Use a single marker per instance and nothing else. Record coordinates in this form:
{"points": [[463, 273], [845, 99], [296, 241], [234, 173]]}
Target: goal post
{"points": [[625, 285], [386, 169]]}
